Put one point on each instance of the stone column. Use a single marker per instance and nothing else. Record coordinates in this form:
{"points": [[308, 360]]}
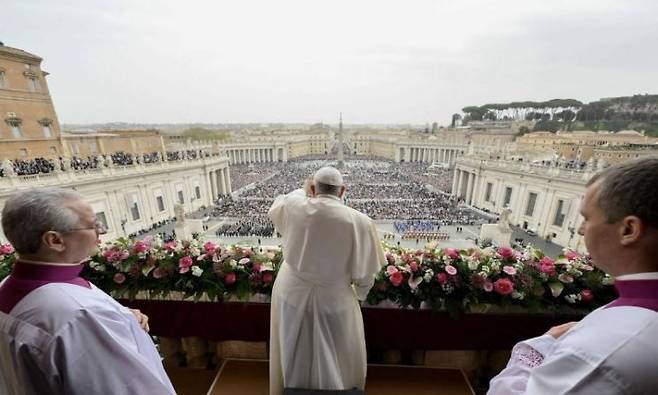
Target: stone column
{"points": [[227, 180], [213, 185], [469, 188], [455, 179], [222, 181], [460, 183]]}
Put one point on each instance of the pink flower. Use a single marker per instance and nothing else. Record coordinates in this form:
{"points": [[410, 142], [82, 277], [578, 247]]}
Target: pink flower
{"points": [[396, 279], [441, 278], [451, 270], [451, 253], [139, 246], [390, 269], [390, 258], [119, 278], [268, 277], [413, 266], [509, 270], [170, 245], [209, 248], [571, 255], [488, 286], [230, 278], [586, 295], [547, 267], [243, 261], [6, 249], [256, 268], [476, 255], [158, 273], [185, 263], [504, 286], [505, 252]]}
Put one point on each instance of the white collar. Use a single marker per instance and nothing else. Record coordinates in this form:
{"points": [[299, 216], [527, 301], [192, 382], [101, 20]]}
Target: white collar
{"points": [[639, 276], [329, 196]]}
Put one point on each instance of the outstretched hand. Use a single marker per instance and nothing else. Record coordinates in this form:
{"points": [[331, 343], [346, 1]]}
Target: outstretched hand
{"points": [[307, 186], [560, 330], [142, 319]]}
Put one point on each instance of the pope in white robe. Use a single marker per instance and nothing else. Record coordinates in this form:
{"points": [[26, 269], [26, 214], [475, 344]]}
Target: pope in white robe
{"points": [[331, 254]]}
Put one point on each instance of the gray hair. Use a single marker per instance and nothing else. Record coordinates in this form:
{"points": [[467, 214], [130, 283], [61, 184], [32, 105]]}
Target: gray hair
{"points": [[629, 188], [29, 214], [326, 189]]}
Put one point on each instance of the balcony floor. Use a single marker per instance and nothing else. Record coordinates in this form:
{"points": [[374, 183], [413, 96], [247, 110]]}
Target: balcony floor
{"points": [[250, 377]]}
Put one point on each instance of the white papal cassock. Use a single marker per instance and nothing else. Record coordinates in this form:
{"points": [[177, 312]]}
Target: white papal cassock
{"points": [[331, 254], [87, 343]]}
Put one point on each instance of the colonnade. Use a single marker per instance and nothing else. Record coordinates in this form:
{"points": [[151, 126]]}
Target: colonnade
{"points": [[428, 154], [466, 185], [253, 155], [220, 182]]}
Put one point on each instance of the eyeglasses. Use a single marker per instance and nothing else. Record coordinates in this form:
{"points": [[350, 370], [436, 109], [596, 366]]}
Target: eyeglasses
{"points": [[99, 227]]}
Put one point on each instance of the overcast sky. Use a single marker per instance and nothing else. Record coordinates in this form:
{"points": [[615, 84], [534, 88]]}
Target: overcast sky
{"points": [[169, 61]]}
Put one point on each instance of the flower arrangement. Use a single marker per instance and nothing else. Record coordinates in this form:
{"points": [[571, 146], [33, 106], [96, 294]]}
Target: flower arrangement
{"points": [[455, 280], [432, 277]]}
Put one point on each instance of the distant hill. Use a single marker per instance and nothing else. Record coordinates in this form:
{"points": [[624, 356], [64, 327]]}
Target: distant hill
{"points": [[637, 112]]}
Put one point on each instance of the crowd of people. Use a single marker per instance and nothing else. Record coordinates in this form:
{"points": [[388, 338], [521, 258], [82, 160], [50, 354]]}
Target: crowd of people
{"points": [[383, 190], [254, 226], [32, 166]]}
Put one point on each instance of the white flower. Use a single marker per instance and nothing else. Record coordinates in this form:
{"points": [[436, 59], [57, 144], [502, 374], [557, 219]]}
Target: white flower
{"points": [[194, 251], [266, 266], [429, 274], [473, 264], [233, 263], [572, 298], [196, 271], [517, 295]]}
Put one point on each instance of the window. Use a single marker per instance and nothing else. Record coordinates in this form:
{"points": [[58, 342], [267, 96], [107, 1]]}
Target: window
{"points": [[3, 81], [134, 208], [487, 194], [93, 147], [560, 214], [22, 152], [75, 149], [197, 190], [160, 201], [508, 196], [179, 194], [46, 131], [100, 217], [32, 84], [14, 125], [16, 131], [530, 207], [53, 149]]}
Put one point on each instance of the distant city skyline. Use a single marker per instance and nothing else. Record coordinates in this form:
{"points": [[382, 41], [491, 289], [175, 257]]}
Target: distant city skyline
{"points": [[292, 61]]}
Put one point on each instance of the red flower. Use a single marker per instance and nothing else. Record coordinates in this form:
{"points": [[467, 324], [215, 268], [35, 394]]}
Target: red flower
{"points": [[396, 279], [229, 279], [268, 278], [504, 286], [119, 278], [413, 266], [441, 278], [547, 267], [586, 295], [505, 252]]}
